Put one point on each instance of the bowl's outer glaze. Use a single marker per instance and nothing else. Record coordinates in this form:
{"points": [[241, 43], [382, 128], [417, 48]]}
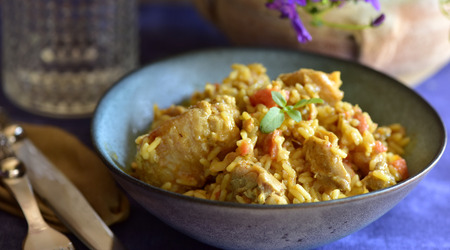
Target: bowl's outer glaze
{"points": [[126, 111], [232, 226]]}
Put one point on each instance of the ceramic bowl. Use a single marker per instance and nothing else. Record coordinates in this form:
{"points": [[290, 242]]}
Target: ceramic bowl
{"points": [[125, 112]]}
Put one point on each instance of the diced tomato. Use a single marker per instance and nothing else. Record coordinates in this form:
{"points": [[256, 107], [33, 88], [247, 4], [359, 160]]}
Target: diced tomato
{"points": [[217, 195], [264, 96], [347, 114], [363, 125], [244, 148], [270, 146], [379, 147], [402, 168]]}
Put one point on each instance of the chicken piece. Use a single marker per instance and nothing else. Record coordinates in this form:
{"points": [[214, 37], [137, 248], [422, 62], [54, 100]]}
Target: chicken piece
{"points": [[328, 84], [362, 161], [161, 116], [326, 164], [379, 176], [183, 141], [250, 180]]}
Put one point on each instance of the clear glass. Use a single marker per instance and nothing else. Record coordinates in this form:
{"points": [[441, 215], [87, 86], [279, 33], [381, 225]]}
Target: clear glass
{"points": [[60, 56]]}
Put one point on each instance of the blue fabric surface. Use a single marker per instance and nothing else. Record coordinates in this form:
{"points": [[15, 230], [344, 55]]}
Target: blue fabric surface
{"points": [[420, 221]]}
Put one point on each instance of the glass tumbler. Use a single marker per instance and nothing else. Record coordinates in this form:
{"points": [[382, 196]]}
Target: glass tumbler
{"points": [[60, 56]]}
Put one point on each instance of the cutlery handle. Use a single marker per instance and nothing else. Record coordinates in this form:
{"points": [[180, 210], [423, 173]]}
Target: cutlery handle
{"points": [[21, 188]]}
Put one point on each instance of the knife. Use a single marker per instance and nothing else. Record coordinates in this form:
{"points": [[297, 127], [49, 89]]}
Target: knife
{"points": [[61, 194]]}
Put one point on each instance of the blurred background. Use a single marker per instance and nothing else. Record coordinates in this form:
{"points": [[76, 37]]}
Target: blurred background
{"points": [[412, 44], [60, 56]]}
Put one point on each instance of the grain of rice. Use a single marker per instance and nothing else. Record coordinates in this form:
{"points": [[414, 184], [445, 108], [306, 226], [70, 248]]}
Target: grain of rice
{"points": [[395, 148], [246, 116], [335, 194], [404, 141], [338, 151], [289, 170], [187, 181], [204, 162], [305, 132], [305, 178], [144, 152], [380, 175], [154, 144], [225, 181], [223, 194], [213, 153], [396, 127], [215, 193], [396, 137], [232, 165], [297, 195], [217, 166], [267, 162], [240, 199], [261, 198], [278, 176], [200, 194], [140, 139], [190, 193], [167, 186], [296, 201], [303, 192], [244, 134]]}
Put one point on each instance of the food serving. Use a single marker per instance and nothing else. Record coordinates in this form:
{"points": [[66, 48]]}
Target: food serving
{"points": [[251, 139]]}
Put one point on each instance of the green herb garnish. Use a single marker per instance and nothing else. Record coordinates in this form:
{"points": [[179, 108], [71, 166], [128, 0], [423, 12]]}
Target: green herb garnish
{"points": [[275, 116]]}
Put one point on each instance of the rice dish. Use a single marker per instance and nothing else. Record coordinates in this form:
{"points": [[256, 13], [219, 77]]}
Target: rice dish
{"points": [[252, 139]]}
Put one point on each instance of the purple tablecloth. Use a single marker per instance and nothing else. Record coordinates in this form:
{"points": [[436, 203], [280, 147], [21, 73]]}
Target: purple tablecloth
{"points": [[420, 221]]}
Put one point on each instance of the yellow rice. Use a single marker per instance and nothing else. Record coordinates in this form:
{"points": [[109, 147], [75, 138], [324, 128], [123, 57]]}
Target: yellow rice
{"points": [[338, 124]]}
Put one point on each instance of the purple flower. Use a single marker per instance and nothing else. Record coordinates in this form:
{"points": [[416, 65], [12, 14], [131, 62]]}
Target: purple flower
{"points": [[303, 35], [375, 4], [288, 9], [378, 21]]}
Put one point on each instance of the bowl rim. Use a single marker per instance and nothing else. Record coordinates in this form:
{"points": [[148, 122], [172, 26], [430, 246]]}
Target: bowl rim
{"points": [[401, 185]]}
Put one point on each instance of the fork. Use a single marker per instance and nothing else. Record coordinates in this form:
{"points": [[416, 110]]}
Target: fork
{"points": [[40, 235]]}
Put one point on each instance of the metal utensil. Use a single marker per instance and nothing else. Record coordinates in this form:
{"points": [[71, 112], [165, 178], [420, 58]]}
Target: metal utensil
{"points": [[59, 192], [40, 234]]}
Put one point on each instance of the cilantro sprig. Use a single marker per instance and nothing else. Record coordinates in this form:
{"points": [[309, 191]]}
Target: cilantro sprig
{"points": [[275, 116]]}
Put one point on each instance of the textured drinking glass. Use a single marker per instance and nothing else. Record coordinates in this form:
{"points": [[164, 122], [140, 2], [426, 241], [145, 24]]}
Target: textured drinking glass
{"points": [[59, 56]]}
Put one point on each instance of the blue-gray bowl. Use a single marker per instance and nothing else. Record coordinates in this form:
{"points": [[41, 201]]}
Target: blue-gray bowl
{"points": [[126, 112]]}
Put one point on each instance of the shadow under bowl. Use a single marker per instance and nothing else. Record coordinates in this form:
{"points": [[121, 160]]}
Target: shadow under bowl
{"points": [[126, 111]]}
